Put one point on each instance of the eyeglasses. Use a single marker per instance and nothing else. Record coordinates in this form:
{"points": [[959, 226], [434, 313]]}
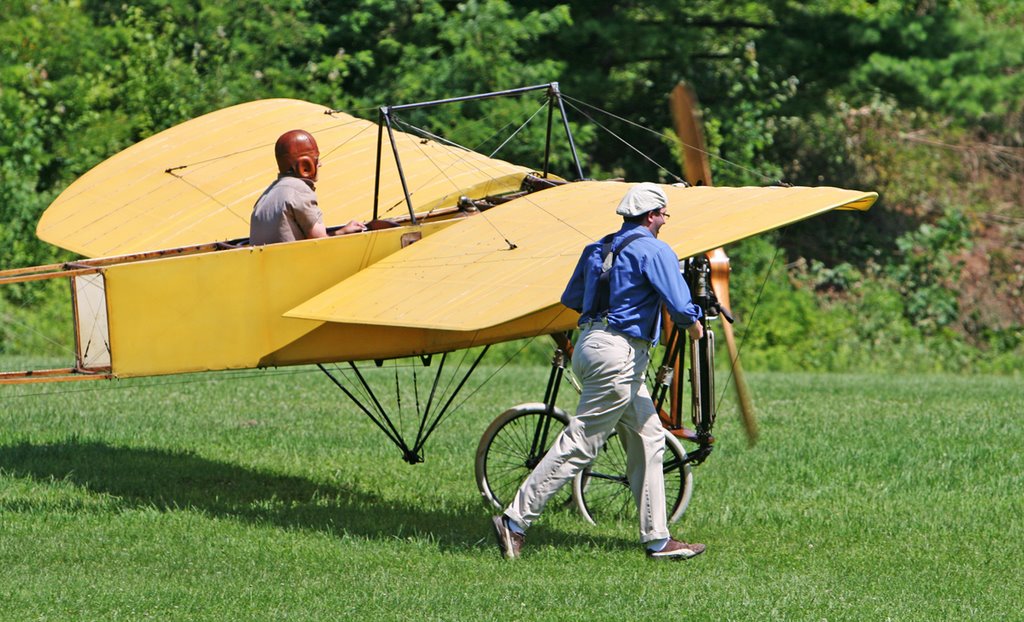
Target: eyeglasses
{"points": [[664, 214]]}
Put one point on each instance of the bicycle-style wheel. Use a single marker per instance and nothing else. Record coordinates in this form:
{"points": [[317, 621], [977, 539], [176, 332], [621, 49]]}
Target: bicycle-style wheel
{"points": [[602, 492], [512, 445]]}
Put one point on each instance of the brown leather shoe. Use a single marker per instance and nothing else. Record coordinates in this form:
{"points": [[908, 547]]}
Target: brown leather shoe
{"points": [[677, 550], [509, 541]]}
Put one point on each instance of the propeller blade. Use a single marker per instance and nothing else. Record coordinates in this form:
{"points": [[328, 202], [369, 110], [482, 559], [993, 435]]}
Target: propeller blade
{"points": [[688, 121], [687, 118], [720, 283]]}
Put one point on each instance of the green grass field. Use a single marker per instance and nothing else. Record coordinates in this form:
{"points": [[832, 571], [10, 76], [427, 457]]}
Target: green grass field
{"points": [[266, 495]]}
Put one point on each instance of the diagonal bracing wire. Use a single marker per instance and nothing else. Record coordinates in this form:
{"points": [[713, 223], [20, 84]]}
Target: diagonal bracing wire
{"points": [[649, 130]]}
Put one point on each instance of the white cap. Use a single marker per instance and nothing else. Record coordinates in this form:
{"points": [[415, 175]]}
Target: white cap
{"points": [[642, 198]]}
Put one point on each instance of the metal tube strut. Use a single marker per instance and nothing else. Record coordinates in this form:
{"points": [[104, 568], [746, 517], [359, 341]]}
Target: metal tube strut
{"points": [[568, 133]]}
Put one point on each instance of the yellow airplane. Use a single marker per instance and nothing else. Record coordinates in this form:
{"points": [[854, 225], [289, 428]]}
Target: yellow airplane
{"points": [[463, 250]]}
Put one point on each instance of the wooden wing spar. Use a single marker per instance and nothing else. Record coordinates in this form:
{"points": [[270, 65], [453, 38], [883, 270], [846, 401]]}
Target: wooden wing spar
{"points": [[467, 278], [197, 182]]}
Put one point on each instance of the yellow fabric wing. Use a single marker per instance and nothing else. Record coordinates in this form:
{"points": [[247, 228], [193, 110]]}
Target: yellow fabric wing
{"points": [[197, 182], [513, 261]]}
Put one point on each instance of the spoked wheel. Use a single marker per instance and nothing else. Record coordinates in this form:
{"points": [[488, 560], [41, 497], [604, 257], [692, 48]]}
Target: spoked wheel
{"points": [[602, 491], [512, 445]]}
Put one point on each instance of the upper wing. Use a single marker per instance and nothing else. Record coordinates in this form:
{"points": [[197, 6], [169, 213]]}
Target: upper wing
{"points": [[197, 182], [469, 277]]}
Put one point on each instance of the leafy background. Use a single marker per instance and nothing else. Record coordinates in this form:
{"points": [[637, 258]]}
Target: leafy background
{"points": [[922, 101]]}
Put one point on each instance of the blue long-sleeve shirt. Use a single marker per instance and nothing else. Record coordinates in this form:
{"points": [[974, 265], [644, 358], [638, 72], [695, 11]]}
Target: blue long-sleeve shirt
{"points": [[645, 274]]}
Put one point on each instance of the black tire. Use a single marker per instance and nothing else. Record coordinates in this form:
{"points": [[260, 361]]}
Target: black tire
{"points": [[503, 457], [602, 493]]}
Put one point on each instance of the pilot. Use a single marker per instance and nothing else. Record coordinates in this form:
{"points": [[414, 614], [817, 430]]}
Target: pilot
{"points": [[618, 287], [287, 210]]}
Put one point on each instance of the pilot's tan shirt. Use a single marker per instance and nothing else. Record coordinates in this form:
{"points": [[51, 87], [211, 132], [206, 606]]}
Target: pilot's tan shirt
{"points": [[285, 212]]}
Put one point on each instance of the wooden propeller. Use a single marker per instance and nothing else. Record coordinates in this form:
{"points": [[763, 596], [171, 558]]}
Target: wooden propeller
{"points": [[686, 115]]}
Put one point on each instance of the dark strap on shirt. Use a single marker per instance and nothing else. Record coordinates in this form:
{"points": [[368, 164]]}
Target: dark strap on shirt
{"points": [[604, 279]]}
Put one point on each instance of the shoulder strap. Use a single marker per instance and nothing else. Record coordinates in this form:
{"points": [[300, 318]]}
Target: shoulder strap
{"points": [[608, 256]]}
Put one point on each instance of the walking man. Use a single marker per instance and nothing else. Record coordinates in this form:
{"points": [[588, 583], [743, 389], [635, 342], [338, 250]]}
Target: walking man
{"points": [[618, 287]]}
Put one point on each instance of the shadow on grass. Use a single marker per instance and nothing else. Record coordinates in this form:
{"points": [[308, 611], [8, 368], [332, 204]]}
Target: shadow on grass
{"points": [[165, 480]]}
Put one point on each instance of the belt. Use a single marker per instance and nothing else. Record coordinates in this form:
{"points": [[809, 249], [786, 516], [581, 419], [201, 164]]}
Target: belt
{"points": [[602, 324]]}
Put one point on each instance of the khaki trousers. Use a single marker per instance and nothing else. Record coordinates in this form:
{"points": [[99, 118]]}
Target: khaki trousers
{"points": [[611, 368]]}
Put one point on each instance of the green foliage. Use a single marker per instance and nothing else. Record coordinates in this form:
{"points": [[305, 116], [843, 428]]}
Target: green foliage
{"points": [[1004, 351], [895, 318], [37, 321], [949, 62], [28, 123], [745, 125], [773, 314], [429, 51], [927, 276]]}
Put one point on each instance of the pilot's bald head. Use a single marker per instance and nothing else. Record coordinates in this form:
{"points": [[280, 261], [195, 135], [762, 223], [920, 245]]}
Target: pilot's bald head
{"points": [[297, 154]]}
